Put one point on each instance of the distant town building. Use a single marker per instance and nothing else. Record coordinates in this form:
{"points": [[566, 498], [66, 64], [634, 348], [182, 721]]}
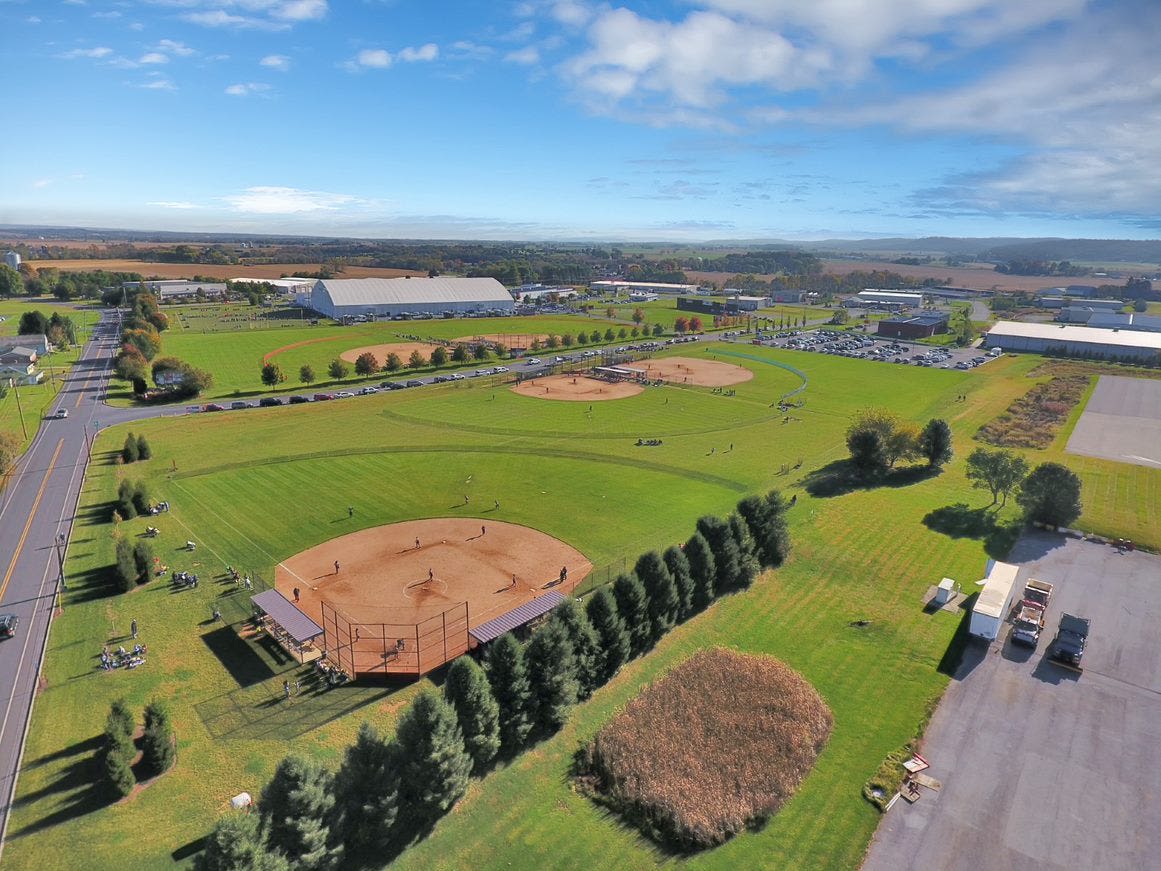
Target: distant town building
{"points": [[340, 298], [1055, 301], [619, 285], [918, 327], [173, 290], [1074, 341]]}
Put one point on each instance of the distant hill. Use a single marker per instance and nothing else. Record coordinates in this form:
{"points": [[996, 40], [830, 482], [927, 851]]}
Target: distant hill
{"points": [[999, 248]]}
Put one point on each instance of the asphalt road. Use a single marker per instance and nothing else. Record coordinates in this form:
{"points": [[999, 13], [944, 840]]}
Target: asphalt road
{"points": [[36, 511], [1043, 768]]}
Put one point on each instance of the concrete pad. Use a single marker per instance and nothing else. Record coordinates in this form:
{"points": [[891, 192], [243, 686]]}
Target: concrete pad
{"points": [[1121, 422]]}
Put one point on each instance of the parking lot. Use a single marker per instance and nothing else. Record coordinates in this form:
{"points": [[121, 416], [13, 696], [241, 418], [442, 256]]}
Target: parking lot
{"points": [[1042, 767], [875, 348], [1122, 422]]}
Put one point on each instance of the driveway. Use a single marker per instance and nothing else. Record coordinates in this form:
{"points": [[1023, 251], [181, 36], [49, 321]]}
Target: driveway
{"points": [[1043, 768]]}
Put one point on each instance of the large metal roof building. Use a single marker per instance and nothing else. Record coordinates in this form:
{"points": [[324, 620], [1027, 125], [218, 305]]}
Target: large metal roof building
{"points": [[1074, 341], [386, 297]]}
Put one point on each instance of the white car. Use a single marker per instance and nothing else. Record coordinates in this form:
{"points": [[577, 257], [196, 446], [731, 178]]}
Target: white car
{"points": [[345, 394], [532, 361], [456, 376], [61, 413], [500, 370], [367, 391]]}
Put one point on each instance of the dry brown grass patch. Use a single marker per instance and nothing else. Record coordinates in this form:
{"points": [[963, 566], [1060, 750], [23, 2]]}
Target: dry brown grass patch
{"points": [[1032, 420], [717, 745]]}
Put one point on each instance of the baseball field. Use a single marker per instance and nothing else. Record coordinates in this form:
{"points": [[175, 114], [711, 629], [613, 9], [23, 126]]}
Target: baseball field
{"points": [[254, 489]]}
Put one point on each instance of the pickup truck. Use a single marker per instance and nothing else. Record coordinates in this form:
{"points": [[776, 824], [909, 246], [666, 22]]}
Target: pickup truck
{"points": [[1071, 637], [1037, 594], [1028, 624]]}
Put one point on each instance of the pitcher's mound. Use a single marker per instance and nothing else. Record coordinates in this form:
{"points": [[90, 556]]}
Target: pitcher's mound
{"points": [[576, 388]]}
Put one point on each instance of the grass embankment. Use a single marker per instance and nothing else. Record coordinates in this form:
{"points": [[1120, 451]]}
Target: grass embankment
{"points": [[255, 487]]}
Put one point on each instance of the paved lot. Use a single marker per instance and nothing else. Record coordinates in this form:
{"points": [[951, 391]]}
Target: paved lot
{"points": [[1122, 422], [1042, 768]]}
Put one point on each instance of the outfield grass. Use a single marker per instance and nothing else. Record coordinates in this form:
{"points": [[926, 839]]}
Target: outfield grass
{"points": [[255, 487]]}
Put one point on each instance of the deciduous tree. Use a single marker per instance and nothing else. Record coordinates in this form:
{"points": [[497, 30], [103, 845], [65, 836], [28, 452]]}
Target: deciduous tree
{"points": [[272, 374], [996, 471], [935, 442], [338, 369], [366, 364], [1050, 495]]}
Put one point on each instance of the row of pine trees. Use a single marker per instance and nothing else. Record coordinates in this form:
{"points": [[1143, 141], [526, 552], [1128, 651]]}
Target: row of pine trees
{"points": [[389, 792]]}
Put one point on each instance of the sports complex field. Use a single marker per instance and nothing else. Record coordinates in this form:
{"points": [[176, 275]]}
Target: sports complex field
{"points": [[256, 488]]}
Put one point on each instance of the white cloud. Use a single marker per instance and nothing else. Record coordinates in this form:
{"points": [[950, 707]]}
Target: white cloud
{"points": [[169, 204], [247, 89], [428, 52], [300, 10], [467, 50], [278, 62], [170, 46], [571, 12], [265, 200], [98, 52], [32, 19], [159, 84], [42, 182], [153, 57], [525, 56], [372, 58], [256, 14]]}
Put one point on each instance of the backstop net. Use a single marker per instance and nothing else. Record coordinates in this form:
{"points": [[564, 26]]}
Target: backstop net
{"points": [[364, 646]]}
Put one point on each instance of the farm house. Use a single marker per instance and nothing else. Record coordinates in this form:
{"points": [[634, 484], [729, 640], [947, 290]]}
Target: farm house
{"points": [[387, 297]]}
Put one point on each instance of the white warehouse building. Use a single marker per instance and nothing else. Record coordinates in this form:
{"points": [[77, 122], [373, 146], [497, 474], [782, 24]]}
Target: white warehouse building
{"points": [[386, 297], [1074, 341]]}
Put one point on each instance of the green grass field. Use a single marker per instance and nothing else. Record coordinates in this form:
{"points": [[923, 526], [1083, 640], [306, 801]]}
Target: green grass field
{"points": [[255, 487]]}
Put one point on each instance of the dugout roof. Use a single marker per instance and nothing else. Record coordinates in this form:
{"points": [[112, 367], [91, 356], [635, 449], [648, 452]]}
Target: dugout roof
{"points": [[514, 619], [284, 612]]}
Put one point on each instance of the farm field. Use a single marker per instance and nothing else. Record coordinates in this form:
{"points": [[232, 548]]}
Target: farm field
{"points": [[293, 472], [149, 269]]}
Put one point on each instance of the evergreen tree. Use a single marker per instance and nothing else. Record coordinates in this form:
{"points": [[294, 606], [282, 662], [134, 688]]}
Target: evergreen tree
{"points": [[660, 592], [296, 807], [434, 766], [129, 451], [144, 452], [366, 795], [118, 751], [237, 843], [143, 561], [678, 567], [468, 691], [601, 610], [141, 499], [125, 505], [125, 571], [586, 646], [747, 561], [727, 558], [508, 676], [551, 676], [158, 745], [703, 569], [633, 606]]}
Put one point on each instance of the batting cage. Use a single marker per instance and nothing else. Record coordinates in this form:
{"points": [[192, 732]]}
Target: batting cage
{"points": [[365, 646]]}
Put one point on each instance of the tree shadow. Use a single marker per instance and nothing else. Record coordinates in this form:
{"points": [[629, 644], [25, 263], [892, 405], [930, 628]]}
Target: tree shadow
{"points": [[238, 657], [841, 477], [961, 521], [90, 585], [88, 793]]}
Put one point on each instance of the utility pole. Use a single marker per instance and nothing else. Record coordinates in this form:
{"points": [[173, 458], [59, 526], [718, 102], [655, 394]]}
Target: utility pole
{"points": [[19, 410], [61, 585]]}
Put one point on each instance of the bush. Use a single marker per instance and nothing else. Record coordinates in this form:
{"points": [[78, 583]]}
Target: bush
{"points": [[126, 507], [144, 451], [141, 500]]}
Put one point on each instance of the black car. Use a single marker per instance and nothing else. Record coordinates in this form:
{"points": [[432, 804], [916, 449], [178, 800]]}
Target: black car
{"points": [[268, 401], [298, 400], [414, 382], [394, 385], [8, 624]]}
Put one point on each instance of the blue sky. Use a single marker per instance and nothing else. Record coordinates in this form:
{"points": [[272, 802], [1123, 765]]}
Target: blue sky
{"points": [[566, 119]]}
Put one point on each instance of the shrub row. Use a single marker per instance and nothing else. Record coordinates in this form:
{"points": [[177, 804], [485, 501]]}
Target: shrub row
{"points": [[158, 749]]}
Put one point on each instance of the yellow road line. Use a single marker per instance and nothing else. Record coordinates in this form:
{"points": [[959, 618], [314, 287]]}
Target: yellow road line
{"points": [[31, 518]]}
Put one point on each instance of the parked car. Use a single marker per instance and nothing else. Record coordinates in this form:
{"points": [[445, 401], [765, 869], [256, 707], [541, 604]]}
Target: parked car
{"points": [[298, 400], [441, 379], [367, 391], [213, 406], [323, 397], [344, 394], [414, 382], [269, 401], [532, 361], [8, 624], [239, 404], [499, 370], [1071, 638], [393, 385], [456, 376]]}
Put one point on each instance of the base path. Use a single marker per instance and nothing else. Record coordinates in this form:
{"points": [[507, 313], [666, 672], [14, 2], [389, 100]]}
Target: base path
{"points": [[576, 388], [693, 370], [383, 578], [403, 349]]}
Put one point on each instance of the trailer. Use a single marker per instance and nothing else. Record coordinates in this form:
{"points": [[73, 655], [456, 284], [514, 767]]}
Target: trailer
{"points": [[992, 603]]}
